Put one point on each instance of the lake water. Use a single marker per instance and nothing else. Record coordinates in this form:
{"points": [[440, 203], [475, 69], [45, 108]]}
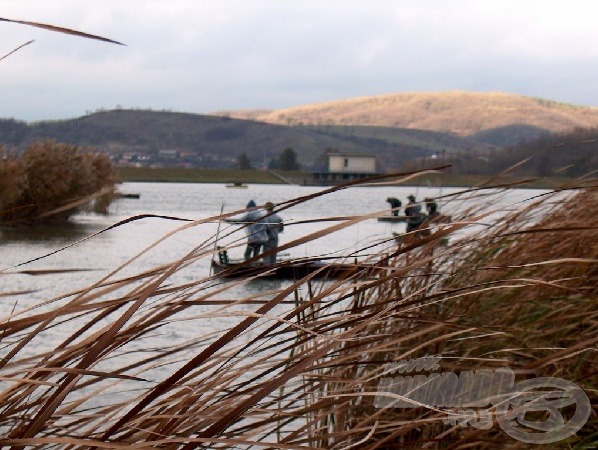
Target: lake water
{"points": [[109, 249], [22, 294]]}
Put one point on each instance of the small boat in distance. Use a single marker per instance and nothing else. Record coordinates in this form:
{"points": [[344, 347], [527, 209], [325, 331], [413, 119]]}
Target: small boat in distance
{"points": [[123, 195], [237, 184]]}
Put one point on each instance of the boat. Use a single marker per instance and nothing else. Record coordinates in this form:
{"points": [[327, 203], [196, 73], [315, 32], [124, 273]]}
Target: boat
{"points": [[403, 238], [392, 219], [125, 195], [283, 269], [237, 184], [439, 218]]}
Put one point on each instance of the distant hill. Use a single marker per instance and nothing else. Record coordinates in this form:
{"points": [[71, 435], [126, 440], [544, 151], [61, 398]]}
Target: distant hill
{"points": [[212, 141], [509, 135], [397, 128], [432, 141], [462, 113], [243, 114]]}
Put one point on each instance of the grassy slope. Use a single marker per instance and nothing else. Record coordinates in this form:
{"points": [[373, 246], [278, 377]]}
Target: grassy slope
{"points": [[432, 140], [464, 113]]}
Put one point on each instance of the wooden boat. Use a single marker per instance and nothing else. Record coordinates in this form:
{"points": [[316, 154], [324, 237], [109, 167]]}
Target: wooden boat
{"points": [[124, 195], [237, 184], [285, 270], [392, 219], [402, 238], [440, 218]]}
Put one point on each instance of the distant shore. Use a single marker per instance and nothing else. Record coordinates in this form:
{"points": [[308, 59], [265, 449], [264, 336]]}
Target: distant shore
{"points": [[254, 176]]}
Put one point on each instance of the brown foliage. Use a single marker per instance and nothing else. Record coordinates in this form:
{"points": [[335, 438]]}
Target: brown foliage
{"points": [[521, 295], [50, 181], [301, 369]]}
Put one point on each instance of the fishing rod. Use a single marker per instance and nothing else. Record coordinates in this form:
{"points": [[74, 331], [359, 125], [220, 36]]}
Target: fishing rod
{"points": [[217, 234], [298, 222]]}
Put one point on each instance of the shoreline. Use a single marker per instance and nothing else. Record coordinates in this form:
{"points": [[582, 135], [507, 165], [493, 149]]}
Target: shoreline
{"points": [[255, 176]]}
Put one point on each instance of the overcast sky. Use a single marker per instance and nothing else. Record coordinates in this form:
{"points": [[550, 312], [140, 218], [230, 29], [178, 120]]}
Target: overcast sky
{"points": [[202, 56]]}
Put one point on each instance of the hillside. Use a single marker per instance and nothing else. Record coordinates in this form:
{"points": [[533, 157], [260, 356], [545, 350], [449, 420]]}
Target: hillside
{"points": [[211, 141], [400, 129], [462, 113]]}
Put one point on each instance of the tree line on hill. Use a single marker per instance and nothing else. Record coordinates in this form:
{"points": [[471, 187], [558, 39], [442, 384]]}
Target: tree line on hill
{"points": [[572, 154], [286, 161]]}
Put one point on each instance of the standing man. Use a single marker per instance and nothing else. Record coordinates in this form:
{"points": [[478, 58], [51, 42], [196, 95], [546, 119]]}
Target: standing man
{"points": [[414, 215], [255, 229], [274, 226]]}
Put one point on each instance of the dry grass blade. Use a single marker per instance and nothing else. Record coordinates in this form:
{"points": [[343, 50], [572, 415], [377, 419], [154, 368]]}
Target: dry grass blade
{"points": [[300, 364], [17, 49], [118, 224], [36, 272], [61, 30]]}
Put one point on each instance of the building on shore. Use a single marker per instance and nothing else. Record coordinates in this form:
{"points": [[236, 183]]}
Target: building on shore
{"points": [[341, 167]]}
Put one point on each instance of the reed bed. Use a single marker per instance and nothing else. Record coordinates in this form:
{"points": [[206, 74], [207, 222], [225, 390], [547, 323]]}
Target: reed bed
{"points": [[299, 365], [50, 181]]}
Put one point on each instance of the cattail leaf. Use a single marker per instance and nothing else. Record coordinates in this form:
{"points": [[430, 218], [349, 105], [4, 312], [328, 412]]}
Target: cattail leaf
{"points": [[61, 30]]}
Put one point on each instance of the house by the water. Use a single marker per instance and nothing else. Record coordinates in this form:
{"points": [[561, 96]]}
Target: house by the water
{"points": [[345, 167]]}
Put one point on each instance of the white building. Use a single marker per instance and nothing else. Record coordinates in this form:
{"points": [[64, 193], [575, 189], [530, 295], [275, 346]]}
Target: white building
{"points": [[345, 167]]}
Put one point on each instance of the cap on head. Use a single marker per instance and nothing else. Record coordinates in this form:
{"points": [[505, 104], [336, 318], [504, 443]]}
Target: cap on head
{"points": [[269, 206], [251, 204]]}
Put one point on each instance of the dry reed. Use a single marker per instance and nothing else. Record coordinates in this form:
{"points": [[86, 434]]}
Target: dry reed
{"points": [[58, 29], [50, 181], [301, 369]]}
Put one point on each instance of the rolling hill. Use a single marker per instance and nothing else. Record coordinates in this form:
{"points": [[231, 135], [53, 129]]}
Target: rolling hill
{"points": [[397, 128], [463, 113], [212, 141]]}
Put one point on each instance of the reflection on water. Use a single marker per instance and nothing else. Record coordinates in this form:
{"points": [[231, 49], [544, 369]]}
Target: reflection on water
{"points": [[65, 233], [261, 285]]}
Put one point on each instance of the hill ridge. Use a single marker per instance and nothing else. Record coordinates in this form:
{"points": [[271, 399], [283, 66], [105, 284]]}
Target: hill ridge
{"points": [[397, 128], [462, 112]]}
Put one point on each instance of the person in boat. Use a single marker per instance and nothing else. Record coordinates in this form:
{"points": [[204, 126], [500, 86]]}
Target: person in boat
{"points": [[415, 216], [431, 207], [255, 229], [395, 205], [274, 226]]}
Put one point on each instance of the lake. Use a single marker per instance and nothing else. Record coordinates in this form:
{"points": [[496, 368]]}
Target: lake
{"points": [[198, 323], [108, 250]]}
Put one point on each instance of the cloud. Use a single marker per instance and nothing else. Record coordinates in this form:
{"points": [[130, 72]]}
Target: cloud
{"points": [[222, 54]]}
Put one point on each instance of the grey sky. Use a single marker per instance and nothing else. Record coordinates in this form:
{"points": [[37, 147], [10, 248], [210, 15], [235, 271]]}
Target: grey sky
{"points": [[201, 56]]}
